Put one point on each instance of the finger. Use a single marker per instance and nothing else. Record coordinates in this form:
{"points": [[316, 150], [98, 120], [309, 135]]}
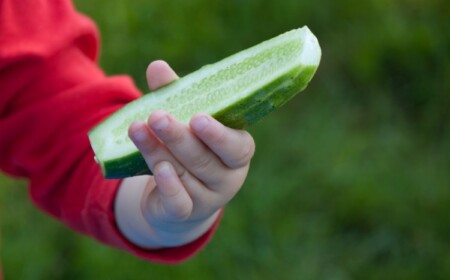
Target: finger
{"points": [[159, 74], [173, 202], [234, 147], [148, 145], [155, 152], [187, 149], [151, 149]]}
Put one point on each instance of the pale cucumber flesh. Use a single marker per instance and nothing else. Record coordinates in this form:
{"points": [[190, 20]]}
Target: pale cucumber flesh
{"points": [[238, 91]]}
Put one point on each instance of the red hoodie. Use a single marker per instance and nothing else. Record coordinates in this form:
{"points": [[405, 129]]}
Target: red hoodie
{"points": [[51, 94]]}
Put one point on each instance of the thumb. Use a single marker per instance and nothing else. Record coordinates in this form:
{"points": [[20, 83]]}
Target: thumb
{"points": [[159, 74]]}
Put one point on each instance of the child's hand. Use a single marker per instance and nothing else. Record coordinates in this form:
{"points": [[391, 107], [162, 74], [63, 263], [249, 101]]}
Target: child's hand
{"points": [[197, 169]]}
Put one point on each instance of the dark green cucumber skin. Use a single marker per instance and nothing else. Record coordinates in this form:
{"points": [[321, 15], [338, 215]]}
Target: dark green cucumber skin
{"points": [[130, 165], [247, 112], [256, 106]]}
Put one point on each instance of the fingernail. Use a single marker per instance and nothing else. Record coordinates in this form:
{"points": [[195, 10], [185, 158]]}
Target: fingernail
{"points": [[139, 134], [200, 123], [165, 169], [161, 123]]}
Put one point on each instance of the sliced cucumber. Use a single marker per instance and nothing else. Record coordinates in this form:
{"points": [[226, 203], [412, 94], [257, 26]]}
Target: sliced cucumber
{"points": [[238, 91]]}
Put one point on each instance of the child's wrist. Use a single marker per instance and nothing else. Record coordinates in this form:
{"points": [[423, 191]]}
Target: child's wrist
{"points": [[173, 234]]}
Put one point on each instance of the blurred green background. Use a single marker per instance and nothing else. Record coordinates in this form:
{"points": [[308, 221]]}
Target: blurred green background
{"points": [[351, 180]]}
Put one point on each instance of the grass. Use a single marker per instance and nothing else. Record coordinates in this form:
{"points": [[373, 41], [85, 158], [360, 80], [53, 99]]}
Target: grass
{"points": [[350, 180]]}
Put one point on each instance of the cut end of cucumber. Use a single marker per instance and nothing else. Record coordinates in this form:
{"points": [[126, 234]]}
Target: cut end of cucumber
{"points": [[311, 53], [238, 91]]}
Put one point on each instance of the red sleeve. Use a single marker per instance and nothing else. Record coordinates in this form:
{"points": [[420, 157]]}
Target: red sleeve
{"points": [[52, 93]]}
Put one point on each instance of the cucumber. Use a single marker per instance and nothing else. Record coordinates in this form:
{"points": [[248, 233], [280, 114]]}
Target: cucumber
{"points": [[238, 91]]}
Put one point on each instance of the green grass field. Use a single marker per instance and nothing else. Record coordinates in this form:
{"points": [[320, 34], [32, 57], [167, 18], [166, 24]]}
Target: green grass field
{"points": [[351, 180]]}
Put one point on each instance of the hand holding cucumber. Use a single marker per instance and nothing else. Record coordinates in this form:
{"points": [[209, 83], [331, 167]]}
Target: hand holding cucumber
{"points": [[197, 169], [238, 91], [198, 163]]}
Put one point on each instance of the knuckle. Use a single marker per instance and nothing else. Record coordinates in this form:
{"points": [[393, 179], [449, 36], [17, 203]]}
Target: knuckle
{"points": [[180, 212], [183, 175], [174, 136], [229, 187], [202, 163], [220, 137], [247, 151], [150, 149]]}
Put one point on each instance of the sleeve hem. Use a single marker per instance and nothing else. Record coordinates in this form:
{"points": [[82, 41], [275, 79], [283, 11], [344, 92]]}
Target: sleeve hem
{"points": [[170, 255]]}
